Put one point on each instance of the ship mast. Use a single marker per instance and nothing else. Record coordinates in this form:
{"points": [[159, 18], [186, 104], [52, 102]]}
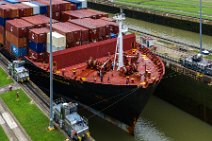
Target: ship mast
{"points": [[119, 46]]}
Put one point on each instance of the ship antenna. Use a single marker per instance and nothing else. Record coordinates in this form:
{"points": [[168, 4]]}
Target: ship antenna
{"points": [[119, 46]]}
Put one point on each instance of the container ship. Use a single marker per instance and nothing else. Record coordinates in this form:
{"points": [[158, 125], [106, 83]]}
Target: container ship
{"points": [[95, 60]]}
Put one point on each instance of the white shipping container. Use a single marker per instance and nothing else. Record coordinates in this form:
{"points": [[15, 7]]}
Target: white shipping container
{"points": [[58, 40], [84, 3], [36, 8], [54, 48]]}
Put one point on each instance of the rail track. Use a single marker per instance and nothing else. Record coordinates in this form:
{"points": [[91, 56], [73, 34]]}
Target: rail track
{"points": [[35, 93], [181, 44]]}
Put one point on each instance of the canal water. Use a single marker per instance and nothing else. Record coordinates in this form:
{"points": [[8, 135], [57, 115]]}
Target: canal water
{"points": [[160, 121], [188, 37]]}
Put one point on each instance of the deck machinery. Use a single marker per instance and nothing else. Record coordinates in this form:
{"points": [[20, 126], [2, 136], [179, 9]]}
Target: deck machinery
{"points": [[18, 71], [65, 114]]}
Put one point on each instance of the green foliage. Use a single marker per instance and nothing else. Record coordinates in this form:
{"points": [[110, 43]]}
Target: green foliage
{"points": [[4, 78], [31, 117], [3, 137], [181, 7]]}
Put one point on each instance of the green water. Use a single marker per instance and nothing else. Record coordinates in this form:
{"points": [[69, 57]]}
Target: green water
{"points": [[160, 121], [188, 37]]}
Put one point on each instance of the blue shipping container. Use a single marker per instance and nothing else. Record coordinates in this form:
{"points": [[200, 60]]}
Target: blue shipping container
{"points": [[37, 47], [43, 7], [2, 3], [18, 52], [77, 3], [12, 1], [112, 35], [3, 21]]}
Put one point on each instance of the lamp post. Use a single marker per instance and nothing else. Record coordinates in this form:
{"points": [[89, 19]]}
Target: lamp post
{"points": [[200, 26], [51, 125]]}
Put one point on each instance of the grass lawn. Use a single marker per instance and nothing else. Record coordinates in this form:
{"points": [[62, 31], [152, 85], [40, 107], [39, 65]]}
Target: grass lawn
{"points": [[182, 7], [4, 79], [31, 117], [209, 57], [3, 136]]}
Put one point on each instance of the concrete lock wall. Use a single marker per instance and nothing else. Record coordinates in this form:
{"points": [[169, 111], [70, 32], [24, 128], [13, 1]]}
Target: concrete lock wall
{"points": [[185, 23]]}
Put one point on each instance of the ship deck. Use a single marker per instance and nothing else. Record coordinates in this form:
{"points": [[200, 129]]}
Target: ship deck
{"points": [[80, 72]]}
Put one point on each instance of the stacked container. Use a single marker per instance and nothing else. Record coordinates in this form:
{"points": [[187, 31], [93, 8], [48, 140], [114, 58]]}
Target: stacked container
{"points": [[78, 4], [37, 43], [36, 8], [83, 13], [38, 20], [98, 29], [24, 10], [55, 8], [72, 34], [96, 14], [58, 42], [16, 31], [42, 7]]}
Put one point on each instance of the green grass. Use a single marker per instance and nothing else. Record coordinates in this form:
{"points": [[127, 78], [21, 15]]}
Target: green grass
{"points": [[3, 136], [4, 78], [181, 7], [31, 117], [209, 57]]}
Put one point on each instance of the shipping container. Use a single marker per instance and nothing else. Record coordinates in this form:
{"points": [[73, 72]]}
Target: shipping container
{"points": [[58, 40], [2, 38], [23, 0], [55, 5], [77, 3], [38, 20], [84, 35], [12, 1], [18, 52], [114, 28], [108, 19], [18, 27], [98, 30], [100, 49], [2, 35], [38, 35], [55, 15], [43, 7], [73, 34], [14, 11], [2, 3], [1, 29], [112, 35], [97, 14], [24, 10], [93, 32], [3, 21], [55, 48], [83, 3], [5, 11], [36, 8], [18, 42], [76, 14], [37, 57], [37, 47], [7, 46], [64, 5]]}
